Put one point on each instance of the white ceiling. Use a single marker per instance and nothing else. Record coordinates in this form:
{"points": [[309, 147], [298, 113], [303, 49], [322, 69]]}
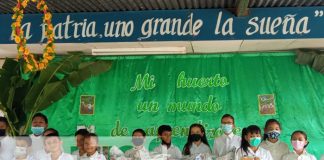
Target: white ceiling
{"points": [[237, 46]]}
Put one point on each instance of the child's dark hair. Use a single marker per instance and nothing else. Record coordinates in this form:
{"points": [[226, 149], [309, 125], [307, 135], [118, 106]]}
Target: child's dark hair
{"points": [[187, 146], [4, 120], [301, 132], [25, 138], [54, 134], [164, 128], [93, 135], [140, 131], [228, 115], [82, 132], [54, 131], [250, 129], [270, 121], [40, 115]]}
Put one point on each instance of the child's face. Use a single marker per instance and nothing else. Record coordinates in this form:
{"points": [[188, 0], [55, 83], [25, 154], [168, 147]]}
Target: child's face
{"points": [[90, 145], [138, 135], [299, 137], [196, 130], [138, 139], [251, 135], [79, 141], [3, 125], [39, 122], [52, 144], [21, 149], [227, 120], [166, 136], [21, 143], [272, 126]]}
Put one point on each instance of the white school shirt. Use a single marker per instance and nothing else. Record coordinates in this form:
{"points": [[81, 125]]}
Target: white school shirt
{"points": [[39, 155], [261, 153], [76, 155], [37, 144], [173, 151], [277, 149], [201, 149], [27, 158], [294, 156], [7, 148], [138, 152], [63, 156], [95, 156], [226, 145]]}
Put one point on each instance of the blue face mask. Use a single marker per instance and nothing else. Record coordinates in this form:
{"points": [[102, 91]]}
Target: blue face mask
{"points": [[255, 141], [273, 134], [227, 128], [37, 130]]}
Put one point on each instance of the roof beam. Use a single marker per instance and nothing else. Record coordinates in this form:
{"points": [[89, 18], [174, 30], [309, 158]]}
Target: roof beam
{"points": [[242, 8]]}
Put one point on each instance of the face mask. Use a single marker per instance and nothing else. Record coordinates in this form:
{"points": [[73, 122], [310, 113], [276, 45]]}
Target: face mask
{"points": [[255, 141], [273, 134], [298, 145], [138, 141], [37, 130], [2, 132], [227, 128], [20, 152], [195, 137]]}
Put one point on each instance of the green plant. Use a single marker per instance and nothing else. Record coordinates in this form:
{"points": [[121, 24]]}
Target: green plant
{"points": [[22, 96]]}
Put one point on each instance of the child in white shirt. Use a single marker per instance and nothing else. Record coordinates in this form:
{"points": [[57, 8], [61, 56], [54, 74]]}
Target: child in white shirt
{"points": [[90, 147], [250, 149], [299, 143], [53, 146], [271, 141], [197, 145], [138, 151], [226, 144], [166, 147]]}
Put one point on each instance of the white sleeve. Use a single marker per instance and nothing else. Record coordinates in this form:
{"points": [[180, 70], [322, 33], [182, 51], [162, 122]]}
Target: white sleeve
{"points": [[156, 149], [313, 157], [269, 157], [69, 157], [128, 153], [215, 149], [238, 154], [102, 157], [178, 153]]}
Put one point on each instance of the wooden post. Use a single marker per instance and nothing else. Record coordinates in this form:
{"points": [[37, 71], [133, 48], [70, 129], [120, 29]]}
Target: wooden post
{"points": [[242, 8]]}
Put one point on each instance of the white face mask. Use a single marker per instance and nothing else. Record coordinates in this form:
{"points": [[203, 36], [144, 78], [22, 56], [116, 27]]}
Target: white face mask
{"points": [[20, 152]]}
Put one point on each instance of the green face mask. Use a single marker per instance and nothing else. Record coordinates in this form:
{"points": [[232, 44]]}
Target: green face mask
{"points": [[255, 141]]}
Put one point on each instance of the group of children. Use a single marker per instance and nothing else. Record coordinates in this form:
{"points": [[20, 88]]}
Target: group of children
{"points": [[45, 144]]}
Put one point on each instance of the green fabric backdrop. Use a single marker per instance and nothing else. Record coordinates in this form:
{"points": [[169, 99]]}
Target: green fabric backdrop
{"points": [[298, 90]]}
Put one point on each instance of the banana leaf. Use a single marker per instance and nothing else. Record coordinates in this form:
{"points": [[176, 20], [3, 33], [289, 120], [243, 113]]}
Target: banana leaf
{"points": [[87, 69], [21, 98]]}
